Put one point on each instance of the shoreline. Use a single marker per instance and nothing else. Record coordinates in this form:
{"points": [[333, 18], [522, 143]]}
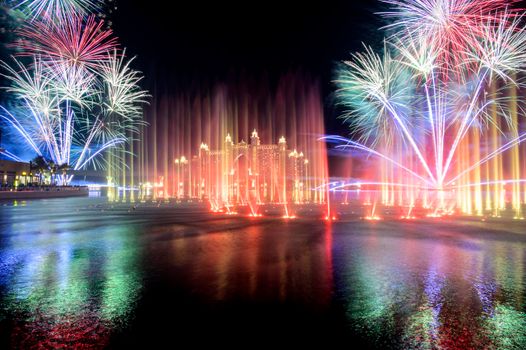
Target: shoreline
{"points": [[52, 192]]}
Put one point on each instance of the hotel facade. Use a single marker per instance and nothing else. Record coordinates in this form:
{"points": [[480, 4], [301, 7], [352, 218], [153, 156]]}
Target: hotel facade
{"points": [[244, 173]]}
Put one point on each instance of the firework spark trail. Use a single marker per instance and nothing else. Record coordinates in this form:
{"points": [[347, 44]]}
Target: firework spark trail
{"points": [[352, 144], [462, 130], [57, 8], [490, 156], [10, 155], [101, 149], [336, 186], [13, 121]]}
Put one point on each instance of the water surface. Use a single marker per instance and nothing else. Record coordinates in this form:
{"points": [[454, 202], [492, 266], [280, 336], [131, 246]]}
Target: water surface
{"points": [[83, 273]]}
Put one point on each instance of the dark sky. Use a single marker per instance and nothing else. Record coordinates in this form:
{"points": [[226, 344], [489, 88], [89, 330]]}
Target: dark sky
{"points": [[211, 37], [209, 41]]}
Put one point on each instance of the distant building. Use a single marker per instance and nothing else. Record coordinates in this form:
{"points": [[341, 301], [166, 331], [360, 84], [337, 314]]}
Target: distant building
{"points": [[14, 174], [244, 173]]}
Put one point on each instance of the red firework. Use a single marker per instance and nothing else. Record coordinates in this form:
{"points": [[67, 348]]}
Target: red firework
{"points": [[74, 40]]}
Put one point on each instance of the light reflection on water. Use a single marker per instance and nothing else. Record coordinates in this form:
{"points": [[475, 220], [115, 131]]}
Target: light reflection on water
{"points": [[75, 272], [250, 262], [64, 283], [424, 293]]}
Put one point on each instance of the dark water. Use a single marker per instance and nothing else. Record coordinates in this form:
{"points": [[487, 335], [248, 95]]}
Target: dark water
{"points": [[79, 273]]}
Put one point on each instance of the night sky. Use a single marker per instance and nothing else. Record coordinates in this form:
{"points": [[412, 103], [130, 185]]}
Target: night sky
{"points": [[207, 42]]}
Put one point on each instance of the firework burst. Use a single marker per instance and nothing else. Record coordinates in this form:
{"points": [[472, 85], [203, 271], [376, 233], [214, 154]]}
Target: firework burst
{"points": [[74, 41], [72, 115], [449, 27], [57, 8], [75, 97], [442, 81], [124, 96], [375, 87]]}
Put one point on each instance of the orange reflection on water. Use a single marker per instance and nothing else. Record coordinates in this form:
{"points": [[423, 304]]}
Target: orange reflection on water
{"points": [[229, 265]]}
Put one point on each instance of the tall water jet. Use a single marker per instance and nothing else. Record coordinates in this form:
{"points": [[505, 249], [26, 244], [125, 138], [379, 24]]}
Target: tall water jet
{"points": [[238, 144]]}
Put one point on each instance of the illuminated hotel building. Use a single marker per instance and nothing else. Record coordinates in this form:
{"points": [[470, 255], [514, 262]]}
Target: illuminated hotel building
{"points": [[244, 173]]}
